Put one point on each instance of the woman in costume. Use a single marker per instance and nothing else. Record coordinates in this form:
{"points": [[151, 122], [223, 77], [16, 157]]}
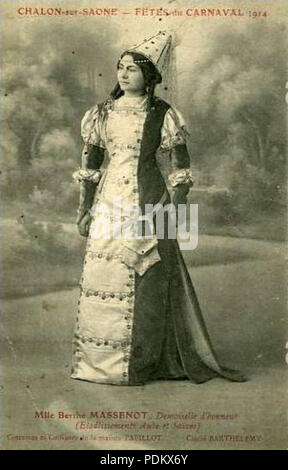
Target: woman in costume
{"points": [[139, 318]]}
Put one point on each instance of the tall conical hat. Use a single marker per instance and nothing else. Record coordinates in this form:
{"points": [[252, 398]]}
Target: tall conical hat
{"points": [[155, 49]]}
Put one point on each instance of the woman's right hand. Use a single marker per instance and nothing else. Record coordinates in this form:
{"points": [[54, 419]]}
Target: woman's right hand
{"points": [[84, 224]]}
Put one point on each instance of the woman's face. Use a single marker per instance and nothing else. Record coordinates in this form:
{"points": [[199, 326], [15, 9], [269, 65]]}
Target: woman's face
{"points": [[130, 76]]}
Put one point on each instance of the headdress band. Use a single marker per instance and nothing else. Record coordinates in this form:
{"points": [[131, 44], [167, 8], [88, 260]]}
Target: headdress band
{"points": [[140, 61]]}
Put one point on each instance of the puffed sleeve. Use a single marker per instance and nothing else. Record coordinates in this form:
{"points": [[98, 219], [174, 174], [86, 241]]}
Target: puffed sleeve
{"points": [[174, 130], [93, 151], [173, 139], [91, 129]]}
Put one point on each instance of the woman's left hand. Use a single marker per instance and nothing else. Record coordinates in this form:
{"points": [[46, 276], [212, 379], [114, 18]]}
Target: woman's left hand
{"points": [[179, 195]]}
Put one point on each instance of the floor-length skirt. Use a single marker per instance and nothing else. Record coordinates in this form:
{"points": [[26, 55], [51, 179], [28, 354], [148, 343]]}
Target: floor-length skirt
{"points": [[133, 328]]}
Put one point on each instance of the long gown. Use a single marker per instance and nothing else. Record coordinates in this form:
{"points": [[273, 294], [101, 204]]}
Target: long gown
{"points": [[139, 318]]}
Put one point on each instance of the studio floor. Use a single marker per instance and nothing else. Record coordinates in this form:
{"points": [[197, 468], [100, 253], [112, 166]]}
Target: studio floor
{"points": [[244, 307]]}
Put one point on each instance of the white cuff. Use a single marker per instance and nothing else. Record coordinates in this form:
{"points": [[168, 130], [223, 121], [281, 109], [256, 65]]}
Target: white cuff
{"points": [[87, 175], [183, 176]]}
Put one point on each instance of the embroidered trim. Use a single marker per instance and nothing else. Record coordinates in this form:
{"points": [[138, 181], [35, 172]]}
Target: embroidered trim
{"points": [[103, 254], [183, 176], [124, 147], [99, 341], [107, 294]]}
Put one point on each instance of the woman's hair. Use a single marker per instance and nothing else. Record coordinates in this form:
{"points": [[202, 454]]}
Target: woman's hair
{"points": [[151, 76]]}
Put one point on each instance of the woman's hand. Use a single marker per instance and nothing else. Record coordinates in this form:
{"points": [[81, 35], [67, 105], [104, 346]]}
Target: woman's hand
{"points": [[179, 195], [84, 224]]}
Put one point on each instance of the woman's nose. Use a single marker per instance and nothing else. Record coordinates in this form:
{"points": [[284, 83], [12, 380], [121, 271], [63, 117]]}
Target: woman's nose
{"points": [[124, 73]]}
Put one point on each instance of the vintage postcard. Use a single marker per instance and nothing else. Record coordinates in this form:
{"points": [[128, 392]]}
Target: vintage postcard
{"points": [[144, 183]]}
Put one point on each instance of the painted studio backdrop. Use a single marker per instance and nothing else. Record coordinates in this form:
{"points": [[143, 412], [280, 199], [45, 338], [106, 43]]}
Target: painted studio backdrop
{"points": [[229, 81]]}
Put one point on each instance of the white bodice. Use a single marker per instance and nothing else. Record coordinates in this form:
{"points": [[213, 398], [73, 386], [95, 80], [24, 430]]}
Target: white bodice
{"points": [[121, 135]]}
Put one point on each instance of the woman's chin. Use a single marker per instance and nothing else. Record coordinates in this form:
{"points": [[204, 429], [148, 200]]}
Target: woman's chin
{"points": [[124, 87]]}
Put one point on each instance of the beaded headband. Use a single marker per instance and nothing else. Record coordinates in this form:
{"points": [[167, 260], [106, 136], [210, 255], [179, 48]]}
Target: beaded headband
{"points": [[140, 61]]}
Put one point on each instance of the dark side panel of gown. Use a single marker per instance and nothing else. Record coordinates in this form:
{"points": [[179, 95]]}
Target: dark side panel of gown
{"points": [[170, 339]]}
